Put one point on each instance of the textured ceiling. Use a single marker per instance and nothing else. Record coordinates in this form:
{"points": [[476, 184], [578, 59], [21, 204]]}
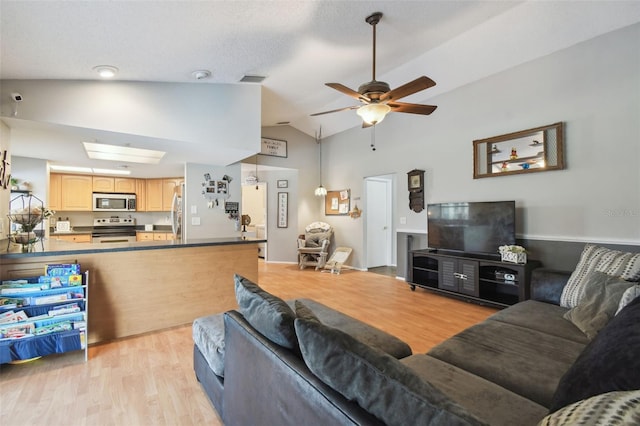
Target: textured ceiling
{"points": [[297, 45]]}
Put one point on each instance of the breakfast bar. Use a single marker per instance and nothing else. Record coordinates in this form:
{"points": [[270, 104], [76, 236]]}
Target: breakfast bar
{"points": [[139, 287]]}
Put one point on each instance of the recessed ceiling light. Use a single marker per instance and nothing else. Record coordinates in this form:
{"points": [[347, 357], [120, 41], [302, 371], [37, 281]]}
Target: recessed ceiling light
{"points": [[201, 74], [100, 151], [106, 71]]}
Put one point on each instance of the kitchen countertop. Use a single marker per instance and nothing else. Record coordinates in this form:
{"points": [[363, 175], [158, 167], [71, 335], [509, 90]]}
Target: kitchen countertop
{"points": [[72, 232], [56, 247]]}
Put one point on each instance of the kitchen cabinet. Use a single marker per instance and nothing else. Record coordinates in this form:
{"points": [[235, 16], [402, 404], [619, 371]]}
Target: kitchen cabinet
{"points": [[144, 236], [76, 192], [103, 184], [124, 185], [154, 236], [75, 238], [55, 191], [141, 195], [154, 195], [114, 184], [169, 186], [160, 193]]}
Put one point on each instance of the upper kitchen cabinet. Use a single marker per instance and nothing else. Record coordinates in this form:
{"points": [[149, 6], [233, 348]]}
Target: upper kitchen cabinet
{"points": [[154, 195], [141, 195], [114, 184], [55, 192], [76, 192], [160, 193], [125, 185], [102, 184], [169, 187]]}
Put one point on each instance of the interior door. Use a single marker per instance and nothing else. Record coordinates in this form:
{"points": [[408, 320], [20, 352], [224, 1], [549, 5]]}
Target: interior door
{"points": [[378, 221]]}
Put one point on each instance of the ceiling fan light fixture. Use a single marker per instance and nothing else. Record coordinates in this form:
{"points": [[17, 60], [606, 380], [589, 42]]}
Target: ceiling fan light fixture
{"points": [[373, 113]]}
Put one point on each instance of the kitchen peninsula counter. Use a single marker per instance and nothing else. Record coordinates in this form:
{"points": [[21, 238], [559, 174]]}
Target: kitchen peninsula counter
{"points": [[145, 286]]}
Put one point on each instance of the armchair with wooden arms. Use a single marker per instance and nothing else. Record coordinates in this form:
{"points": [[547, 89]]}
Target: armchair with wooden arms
{"points": [[313, 245]]}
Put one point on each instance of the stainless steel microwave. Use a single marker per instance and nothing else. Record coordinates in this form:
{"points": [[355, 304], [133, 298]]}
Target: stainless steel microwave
{"points": [[114, 202]]}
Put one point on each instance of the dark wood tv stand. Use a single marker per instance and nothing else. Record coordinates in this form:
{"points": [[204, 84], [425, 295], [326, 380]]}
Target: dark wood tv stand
{"points": [[483, 279]]}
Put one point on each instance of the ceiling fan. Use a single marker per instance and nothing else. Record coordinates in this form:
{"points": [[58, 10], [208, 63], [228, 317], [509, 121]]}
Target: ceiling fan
{"points": [[377, 98]]}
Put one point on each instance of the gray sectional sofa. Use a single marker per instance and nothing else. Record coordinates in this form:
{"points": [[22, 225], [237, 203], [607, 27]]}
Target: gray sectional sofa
{"points": [[305, 363]]}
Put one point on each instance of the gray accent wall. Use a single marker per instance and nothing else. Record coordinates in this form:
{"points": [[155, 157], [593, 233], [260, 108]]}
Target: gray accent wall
{"points": [[593, 87]]}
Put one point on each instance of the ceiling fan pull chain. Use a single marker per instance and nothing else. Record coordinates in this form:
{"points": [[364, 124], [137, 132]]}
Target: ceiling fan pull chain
{"points": [[373, 137]]}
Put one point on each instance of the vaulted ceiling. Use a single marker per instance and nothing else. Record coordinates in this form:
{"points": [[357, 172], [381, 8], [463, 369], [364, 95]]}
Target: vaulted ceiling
{"points": [[297, 45]]}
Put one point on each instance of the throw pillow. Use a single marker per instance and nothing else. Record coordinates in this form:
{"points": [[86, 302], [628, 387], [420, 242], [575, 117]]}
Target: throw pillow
{"points": [[602, 294], [612, 408], [628, 296], [303, 312], [378, 382], [268, 314], [610, 362], [595, 258]]}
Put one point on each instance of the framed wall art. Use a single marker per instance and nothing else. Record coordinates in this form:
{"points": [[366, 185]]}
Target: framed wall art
{"points": [[283, 209], [337, 202], [283, 183], [273, 147]]}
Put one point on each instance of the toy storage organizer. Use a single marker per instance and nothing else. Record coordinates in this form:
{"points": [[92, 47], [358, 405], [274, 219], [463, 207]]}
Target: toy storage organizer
{"points": [[34, 346]]}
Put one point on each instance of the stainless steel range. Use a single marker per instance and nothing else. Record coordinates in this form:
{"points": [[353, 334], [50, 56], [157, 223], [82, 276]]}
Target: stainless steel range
{"points": [[114, 230]]}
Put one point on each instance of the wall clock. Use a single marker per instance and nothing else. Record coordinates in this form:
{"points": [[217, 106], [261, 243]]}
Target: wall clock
{"points": [[416, 190]]}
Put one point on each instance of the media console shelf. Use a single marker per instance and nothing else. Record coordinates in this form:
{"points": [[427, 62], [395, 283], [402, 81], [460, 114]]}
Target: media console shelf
{"points": [[481, 279]]}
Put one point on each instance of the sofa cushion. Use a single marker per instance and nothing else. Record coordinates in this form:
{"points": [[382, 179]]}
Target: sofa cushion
{"points": [[511, 356], [610, 362], [602, 294], [630, 294], [611, 408], [378, 382], [267, 313], [364, 332], [484, 399], [544, 317], [594, 258], [208, 336]]}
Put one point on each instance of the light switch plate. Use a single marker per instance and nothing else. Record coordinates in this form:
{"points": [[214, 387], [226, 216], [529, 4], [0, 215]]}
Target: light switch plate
{"points": [[195, 220], [194, 209]]}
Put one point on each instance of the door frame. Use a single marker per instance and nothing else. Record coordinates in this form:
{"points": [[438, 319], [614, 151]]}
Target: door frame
{"points": [[389, 180]]}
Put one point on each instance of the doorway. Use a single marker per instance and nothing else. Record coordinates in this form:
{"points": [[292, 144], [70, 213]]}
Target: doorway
{"points": [[379, 222], [254, 204]]}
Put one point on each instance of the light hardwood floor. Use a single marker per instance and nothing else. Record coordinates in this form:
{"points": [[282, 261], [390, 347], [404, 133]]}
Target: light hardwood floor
{"points": [[149, 379]]}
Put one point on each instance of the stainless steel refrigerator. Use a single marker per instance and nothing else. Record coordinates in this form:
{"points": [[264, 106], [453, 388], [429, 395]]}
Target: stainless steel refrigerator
{"points": [[177, 213]]}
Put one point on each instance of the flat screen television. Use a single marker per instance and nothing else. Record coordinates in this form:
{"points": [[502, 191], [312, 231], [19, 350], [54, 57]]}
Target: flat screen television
{"points": [[472, 227]]}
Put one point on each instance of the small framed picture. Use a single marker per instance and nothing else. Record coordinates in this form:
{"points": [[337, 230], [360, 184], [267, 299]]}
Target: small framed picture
{"points": [[283, 209], [283, 183]]}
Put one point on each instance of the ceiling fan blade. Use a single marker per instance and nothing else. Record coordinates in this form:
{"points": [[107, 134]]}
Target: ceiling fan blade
{"points": [[336, 110], [410, 88], [349, 92], [412, 108]]}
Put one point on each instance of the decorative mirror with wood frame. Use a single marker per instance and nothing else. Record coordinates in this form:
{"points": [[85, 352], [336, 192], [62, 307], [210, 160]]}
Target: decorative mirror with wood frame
{"points": [[527, 151]]}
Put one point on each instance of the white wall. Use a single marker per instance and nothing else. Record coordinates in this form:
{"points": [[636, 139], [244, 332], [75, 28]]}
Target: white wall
{"points": [[593, 87], [34, 171], [5, 194], [206, 115], [214, 222]]}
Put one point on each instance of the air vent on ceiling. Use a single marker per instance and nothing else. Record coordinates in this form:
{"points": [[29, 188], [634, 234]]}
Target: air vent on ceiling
{"points": [[252, 79]]}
